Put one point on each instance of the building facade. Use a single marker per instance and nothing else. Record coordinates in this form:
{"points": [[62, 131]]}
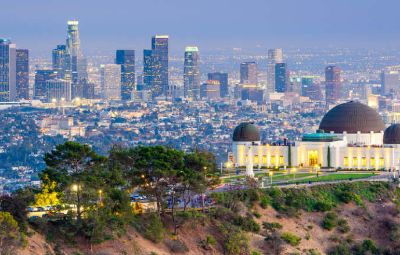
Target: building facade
{"points": [[22, 74], [275, 56], [126, 58], [111, 81], [281, 77], [350, 136], [58, 90], [8, 90], [40, 87], [191, 73], [223, 81], [248, 73], [333, 84]]}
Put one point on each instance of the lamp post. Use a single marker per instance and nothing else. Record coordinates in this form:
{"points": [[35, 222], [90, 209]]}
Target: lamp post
{"points": [[100, 196]]}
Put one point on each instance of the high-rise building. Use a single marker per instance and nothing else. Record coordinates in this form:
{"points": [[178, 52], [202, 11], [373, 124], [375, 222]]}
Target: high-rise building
{"points": [[58, 90], [275, 56], [22, 72], [126, 58], [252, 93], [248, 73], [155, 69], [223, 81], [281, 77], [8, 89], [40, 86], [111, 81], [333, 86], [89, 90], [309, 88], [390, 82], [77, 61], [61, 62], [191, 73], [210, 90]]}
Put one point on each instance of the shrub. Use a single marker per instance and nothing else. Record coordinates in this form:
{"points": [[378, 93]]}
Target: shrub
{"points": [[235, 240], [264, 201], [329, 221], [151, 227], [272, 226], [246, 224], [177, 246], [341, 249], [343, 226], [211, 240], [275, 243], [291, 239]]}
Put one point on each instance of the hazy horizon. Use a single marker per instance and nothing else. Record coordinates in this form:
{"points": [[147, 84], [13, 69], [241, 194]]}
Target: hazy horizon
{"points": [[223, 24]]}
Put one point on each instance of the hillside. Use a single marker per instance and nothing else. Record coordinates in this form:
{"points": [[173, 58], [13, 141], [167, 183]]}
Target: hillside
{"points": [[329, 219]]}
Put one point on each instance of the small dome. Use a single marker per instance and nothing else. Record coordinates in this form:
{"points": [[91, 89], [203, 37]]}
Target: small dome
{"points": [[246, 132], [352, 117], [392, 134]]}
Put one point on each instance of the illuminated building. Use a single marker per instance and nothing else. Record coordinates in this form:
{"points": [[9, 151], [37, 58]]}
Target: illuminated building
{"points": [[126, 58], [350, 136], [7, 71], [333, 85], [191, 73], [223, 81], [22, 74]]}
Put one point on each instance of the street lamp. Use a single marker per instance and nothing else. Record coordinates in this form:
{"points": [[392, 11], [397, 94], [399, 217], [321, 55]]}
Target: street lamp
{"points": [[100, 196]]}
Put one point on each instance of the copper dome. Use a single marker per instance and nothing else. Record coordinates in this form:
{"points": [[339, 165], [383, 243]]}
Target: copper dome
{"points": [[246, 132]]}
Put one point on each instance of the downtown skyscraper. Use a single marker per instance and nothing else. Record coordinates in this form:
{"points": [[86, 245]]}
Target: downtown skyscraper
{"points": [[155, 67], [223, 81], [275, 56], [191, 73], [22, 74], [248, 73], [126, 58], [8, 89], [281, 78], [333, 85]]}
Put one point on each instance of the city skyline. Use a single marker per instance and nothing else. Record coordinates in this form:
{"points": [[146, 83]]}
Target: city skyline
{"points": [[347, 24]]}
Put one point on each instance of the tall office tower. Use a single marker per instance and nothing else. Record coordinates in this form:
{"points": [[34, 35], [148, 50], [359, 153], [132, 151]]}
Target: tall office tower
{"points": [[223, 81], [58, 90], [40, 86], [22, 72], [191, 73], [8, 90], [309, 88], [155, 69], [252, 93], [111, 81], [275, 56], [210, 89], [390, 82], [281, 77], [77, 61], [126, 58], [248, 73], [333, 84], [61, 62]]}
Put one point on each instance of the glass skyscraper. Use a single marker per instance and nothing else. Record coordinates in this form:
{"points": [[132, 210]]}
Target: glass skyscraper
{"points": [[333, 84], [155, 69], [223, 81], [126, 58], [248, 73], [7, 71], [41, 78], [61, 62], [191, 73], [281, 77], [22, 72]]}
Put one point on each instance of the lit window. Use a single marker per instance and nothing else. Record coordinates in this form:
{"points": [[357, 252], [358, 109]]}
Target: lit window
{"points": [[281, 160], [372, 162], [256, 159], [346, 161], [364, 161], [273, 160], [355, 161], [264, 159], [381, 162]]}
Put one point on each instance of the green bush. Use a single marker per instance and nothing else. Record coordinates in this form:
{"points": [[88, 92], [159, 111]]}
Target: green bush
{"points": [[246, 224], [330, 221], [291, 239], [343, 226], [272, 226], [151, 227], [341, 249], [211, 240], [235, 241], [177, 246]]}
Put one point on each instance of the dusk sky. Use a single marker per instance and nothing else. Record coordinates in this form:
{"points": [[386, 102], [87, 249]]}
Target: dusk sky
{"points": [[106, 25]]}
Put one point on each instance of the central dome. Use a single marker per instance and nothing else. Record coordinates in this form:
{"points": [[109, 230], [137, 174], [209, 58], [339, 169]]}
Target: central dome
{"points": [[392, 134], [352, 117]]}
